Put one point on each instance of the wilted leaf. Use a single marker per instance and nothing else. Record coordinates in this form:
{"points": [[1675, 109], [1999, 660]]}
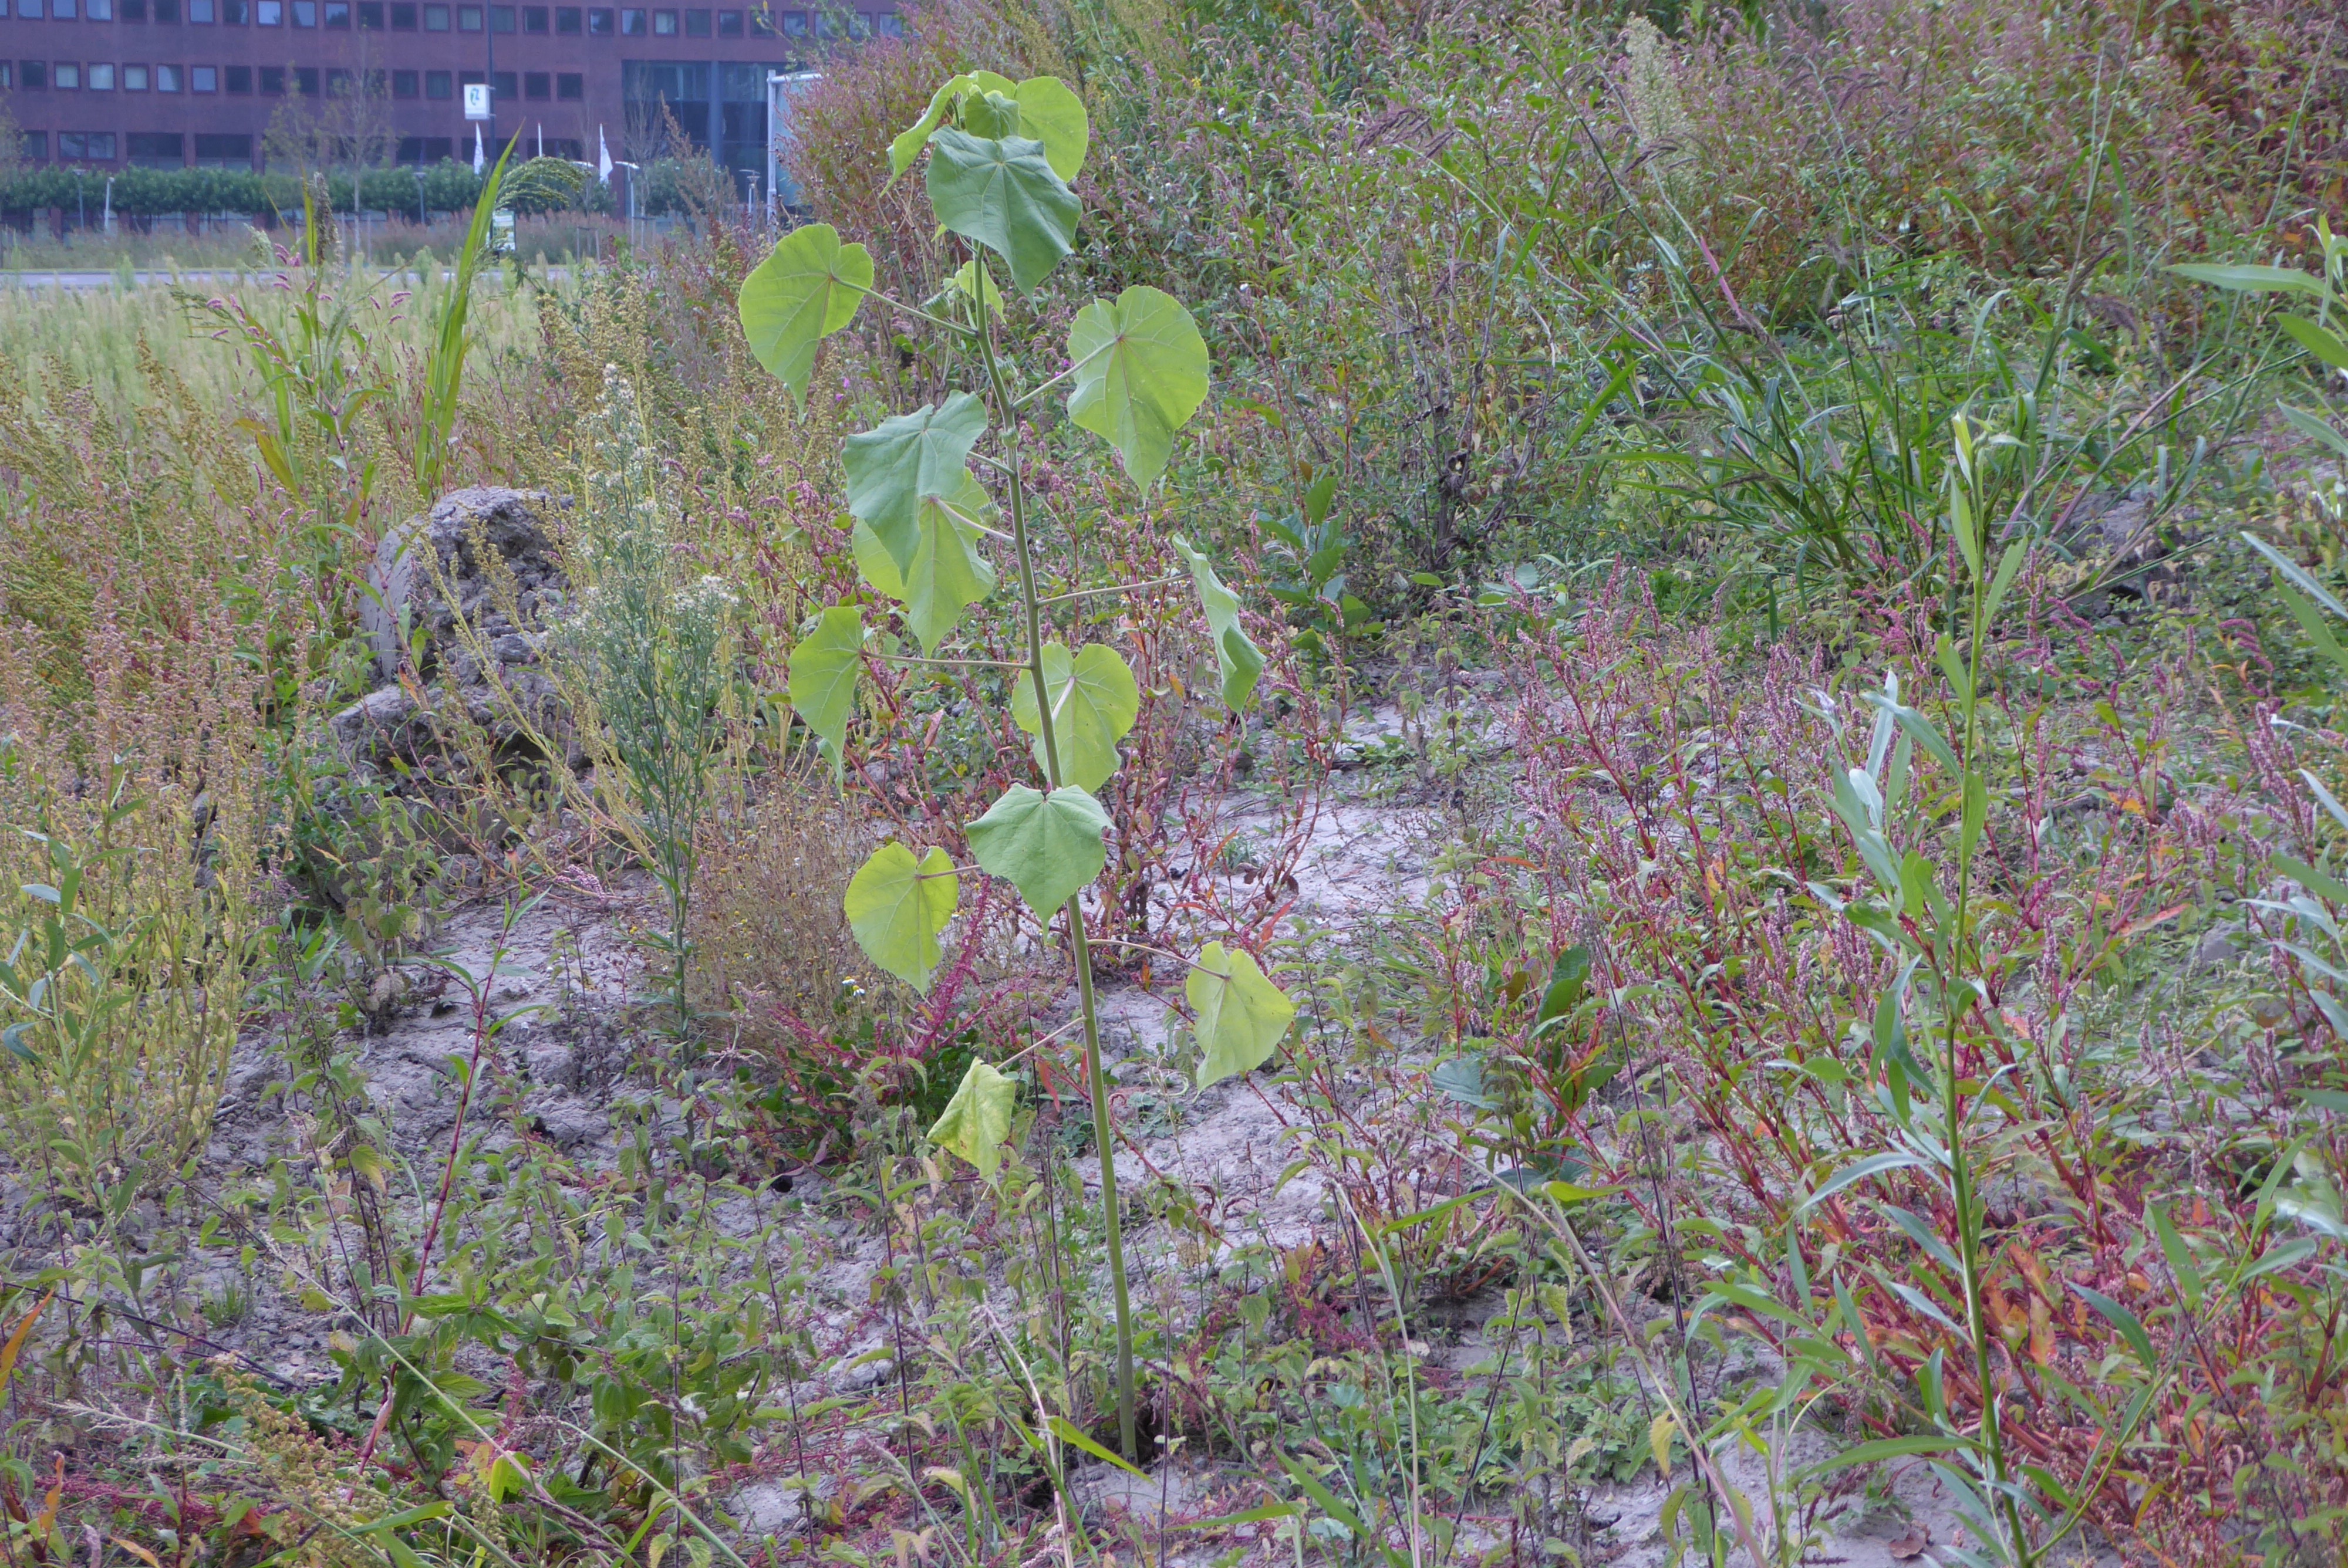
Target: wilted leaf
{"points": [[897, 906], [824, 668], [1047, 846], [1241, 1015], [1140, 373], [1094, 703], [977, 1119], [1238, 659]]}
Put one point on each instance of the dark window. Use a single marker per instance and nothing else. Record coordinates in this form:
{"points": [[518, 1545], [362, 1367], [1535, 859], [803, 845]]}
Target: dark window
{"points": [[222, 150], [568, 19], [157, 150], [635, 23], [439, 84], [536, 86], [696, 24], [599, 22], [7, 73], [507, 85], [729, 24], [403, 16], [36, 145], [272, 81], [134, 10], [338, 82], [501, 18], [86, 146], [306, 77], [537, 19], [167, 10], [406, 84], [571, 86], [239, 78], [236, 13], [338, 13], [371, 15], [37, 76]]}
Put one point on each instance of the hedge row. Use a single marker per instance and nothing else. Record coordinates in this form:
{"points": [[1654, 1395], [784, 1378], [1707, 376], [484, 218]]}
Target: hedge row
{"points": [[540, 185]]}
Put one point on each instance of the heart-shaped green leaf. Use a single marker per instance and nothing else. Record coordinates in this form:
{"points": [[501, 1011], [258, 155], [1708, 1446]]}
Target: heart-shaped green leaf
{"points": [[872, 562], [1094, 703], [897, 906], [893, 467], [1238, 659], [1005, 195], [824, 668], [806, 289], [1047, 846], [991, 115], [977, 1120], [1055, 116], [1241, 1015], [909, 143], [1140, 373]]}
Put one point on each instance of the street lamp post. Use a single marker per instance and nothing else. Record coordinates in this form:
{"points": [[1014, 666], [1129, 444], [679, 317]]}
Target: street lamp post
{"points": [[623, 163], [110, 204], [423, 219]]}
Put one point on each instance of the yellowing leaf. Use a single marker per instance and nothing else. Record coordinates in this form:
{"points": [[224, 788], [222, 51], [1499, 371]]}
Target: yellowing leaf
{"points": [[1238, 660], [978, 1118], [1094, 700], [1241, 1016], [897, 906], [1659, 1442], [824, 668]]}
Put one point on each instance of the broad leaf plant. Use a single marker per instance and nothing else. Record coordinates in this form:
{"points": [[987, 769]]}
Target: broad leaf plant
{"points": [[1000, 156]]}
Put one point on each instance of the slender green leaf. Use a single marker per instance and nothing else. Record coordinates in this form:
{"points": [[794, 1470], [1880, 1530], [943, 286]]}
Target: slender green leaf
{"points": [[2252, 279], [1003, 193], [1140, 375], [2316, 426], [977, 1119], [824, 668], [2180, 1256], [1069, 1433], [1857, 1171], [897, 906], [892, 467], [1094, 703], [2121, 1319], [1047, 846], [2297, 576], [1237, 658], [1241, 1015], [2319, 631], [1884, 1449], [2324, 345], [806, 289]]}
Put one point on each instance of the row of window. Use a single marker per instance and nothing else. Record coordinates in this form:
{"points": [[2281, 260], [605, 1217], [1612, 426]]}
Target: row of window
{"points": [[400, 16], [169, 149], [67, 75]]}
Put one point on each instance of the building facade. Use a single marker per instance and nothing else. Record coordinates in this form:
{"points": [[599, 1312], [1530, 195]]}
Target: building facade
{"points": [[167, 83]]}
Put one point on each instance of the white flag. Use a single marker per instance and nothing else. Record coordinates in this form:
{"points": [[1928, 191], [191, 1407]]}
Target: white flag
{"points": [[479, 162], [603, 157]]}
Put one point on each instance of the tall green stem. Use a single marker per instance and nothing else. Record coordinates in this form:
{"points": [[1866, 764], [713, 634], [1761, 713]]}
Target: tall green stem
{"points": [[1961, 1176], [1081, 949]]}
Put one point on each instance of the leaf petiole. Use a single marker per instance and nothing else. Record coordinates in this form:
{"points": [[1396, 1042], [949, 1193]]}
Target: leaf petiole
{"points": [[1120, 587]]}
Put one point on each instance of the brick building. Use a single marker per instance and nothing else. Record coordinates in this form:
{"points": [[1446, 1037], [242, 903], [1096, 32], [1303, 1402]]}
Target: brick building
{"points": [[164, 83]]}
